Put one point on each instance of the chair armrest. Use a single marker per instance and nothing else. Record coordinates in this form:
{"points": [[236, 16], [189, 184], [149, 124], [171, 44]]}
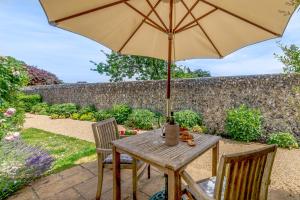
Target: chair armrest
{"points": [[200, 194], [99, 150]]}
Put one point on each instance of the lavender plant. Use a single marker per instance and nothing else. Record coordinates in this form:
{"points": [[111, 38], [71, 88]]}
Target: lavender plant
{"points": [[20, 163]]}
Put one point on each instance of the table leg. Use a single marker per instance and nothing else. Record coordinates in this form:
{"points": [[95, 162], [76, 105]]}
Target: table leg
{"points": [[116, 175], [174, 185], [215, 158]]}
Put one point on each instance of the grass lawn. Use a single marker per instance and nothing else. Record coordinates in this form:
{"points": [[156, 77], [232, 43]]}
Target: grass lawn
{"points": [[66, 150]]}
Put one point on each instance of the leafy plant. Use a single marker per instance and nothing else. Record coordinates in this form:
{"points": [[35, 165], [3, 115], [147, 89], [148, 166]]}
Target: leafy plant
{"points": [[103, 115], [40, 109], [88, 117], [75, 116], [13, 77], [29, 101], [199, 129], [244, 124], [141, 118], [87, 109], [283, 139], [41, 77], [188, 118], [121, 112], [66, 109]]}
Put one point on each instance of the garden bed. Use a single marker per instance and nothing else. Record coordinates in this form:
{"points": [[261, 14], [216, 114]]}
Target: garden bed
{"points": [[60, 152]]}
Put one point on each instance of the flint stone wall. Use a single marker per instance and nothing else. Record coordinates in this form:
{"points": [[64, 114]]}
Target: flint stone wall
{"points": [[277, 96]]}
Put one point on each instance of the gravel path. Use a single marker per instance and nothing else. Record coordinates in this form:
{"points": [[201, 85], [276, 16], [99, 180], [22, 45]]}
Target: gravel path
{"points": [[285, 182]]}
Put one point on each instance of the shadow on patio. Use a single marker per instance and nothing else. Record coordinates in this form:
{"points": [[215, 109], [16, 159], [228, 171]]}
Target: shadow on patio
{"points": [[80, 182]]}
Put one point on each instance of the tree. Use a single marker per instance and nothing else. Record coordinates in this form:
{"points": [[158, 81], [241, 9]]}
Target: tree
{"points": [[41, 77], [290, 58], [120, 67]]}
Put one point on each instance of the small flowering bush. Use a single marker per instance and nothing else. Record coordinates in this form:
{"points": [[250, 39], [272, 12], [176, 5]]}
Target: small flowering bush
{"points": [[13, 76], [11, 120], [20, 164]]}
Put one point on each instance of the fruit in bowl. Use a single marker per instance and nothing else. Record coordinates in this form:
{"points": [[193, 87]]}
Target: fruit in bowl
{"points": [[183, 129]]}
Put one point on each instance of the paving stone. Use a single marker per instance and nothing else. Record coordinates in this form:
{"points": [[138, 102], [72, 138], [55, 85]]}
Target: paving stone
{"points": [[24, 194], [88, 188], [155, 184], [48, 189], [46, 181], [69, 194], [92, 166], [70, 172]]}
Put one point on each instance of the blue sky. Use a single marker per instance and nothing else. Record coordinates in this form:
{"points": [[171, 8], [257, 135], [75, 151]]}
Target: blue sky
{"points": [[26, 35]]}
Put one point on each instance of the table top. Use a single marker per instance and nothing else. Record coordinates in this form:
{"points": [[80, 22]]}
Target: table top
{"points": [[150, 146]]}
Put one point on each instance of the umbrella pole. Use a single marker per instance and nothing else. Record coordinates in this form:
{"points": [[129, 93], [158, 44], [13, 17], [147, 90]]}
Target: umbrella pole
{"points": [[170, 38], [169, 77]]}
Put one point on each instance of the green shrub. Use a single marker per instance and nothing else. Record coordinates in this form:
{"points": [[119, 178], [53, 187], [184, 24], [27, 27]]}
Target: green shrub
{"points": [[75, 116], [88, 117], [54, 116], [29, 101], [103, 115], [141, 118], [121, 112], [283, 139], [244, 124], [187, 118], [199, 129], [40, 109], [87, 109], [66, 109]]}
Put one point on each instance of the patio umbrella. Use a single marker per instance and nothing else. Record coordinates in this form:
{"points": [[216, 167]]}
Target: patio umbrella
{"points": [[172, 29]]}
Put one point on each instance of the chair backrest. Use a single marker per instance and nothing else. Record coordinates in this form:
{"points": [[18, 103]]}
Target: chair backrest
{"points": [[245, 175], [104, 133]]}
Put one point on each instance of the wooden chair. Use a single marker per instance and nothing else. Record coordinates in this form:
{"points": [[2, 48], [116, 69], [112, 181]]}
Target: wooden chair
{"points": [[104, 133], [242, 176]]}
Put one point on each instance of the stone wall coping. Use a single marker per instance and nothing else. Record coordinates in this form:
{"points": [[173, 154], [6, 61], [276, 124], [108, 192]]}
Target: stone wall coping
{"points": [[206, 80]]}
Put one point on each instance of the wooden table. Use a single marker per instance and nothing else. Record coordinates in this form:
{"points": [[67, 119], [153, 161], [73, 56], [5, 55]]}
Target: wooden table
{"points": [[150, 148]]}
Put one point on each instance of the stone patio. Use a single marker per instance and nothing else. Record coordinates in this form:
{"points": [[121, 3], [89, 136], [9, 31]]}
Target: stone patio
{"points": [[80, 182]]}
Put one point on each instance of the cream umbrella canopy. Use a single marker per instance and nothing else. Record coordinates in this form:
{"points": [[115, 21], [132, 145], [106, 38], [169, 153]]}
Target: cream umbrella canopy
{"points": [[171, 29]]}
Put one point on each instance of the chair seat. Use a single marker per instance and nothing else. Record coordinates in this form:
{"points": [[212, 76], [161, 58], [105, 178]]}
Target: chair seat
{"points": [[208, 186], [124, 159]]}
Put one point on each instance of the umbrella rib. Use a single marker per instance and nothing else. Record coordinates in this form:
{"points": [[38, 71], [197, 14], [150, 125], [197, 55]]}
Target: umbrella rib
{"points": [[138, 27], [202, 29], [187, 26], [88, 11], [157, 15], [183, 18], [147, 18], [241, 18]]}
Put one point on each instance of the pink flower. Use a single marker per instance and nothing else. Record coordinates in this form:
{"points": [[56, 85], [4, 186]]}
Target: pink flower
{"points": [[10, 112], [9, 138], [12, 136]]}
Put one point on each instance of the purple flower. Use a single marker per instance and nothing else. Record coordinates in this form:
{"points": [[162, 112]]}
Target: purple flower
{"points": [[39, 162]]}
